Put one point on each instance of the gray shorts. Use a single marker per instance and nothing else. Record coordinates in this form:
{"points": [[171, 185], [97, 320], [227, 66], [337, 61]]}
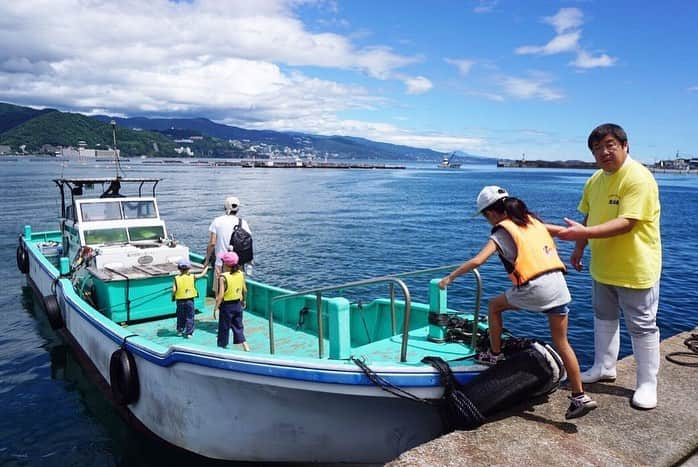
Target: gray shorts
{"points": [[562, 310], [543, 293], [639, 306]]}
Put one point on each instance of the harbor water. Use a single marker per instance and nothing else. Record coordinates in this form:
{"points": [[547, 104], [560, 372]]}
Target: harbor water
{"points": [[311, 228]]}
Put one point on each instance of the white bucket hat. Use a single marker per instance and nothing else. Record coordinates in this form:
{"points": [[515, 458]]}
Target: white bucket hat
{"points": [[488, 196]]}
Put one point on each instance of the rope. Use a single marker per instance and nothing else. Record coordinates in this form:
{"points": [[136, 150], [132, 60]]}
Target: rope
{"points": [[692, 344], [386, 385], [456, 409], [123, 343]]}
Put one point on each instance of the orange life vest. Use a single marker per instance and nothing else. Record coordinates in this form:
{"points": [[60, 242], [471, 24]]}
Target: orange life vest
{"points": [[536, 252]]}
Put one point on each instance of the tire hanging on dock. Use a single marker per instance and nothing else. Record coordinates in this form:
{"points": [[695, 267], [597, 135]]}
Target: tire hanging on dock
{"points": [[53, 312], [123, 377], [531, 369], [22, 259]]}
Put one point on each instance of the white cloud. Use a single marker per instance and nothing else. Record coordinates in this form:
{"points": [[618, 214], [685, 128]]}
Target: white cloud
{"points": [[464, 66], [485, 6], [567, 24], [565, 20], [585, 60], [562, 43], [172, 55], [534, 87], [417, 85], [693, 88]]}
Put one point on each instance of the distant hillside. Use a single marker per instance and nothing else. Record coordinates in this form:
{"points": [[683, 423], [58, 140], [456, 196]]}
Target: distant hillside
{"points": [[14, 115], [346, 147], [66, 129], [156, 137]]}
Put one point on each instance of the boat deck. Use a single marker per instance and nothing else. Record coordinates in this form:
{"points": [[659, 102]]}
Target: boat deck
{"points": [[294, 342]]}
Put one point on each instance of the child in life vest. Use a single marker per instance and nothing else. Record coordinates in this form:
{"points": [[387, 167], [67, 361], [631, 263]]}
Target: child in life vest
{"points": [[230, 301], [184, 292], [527, 250]]}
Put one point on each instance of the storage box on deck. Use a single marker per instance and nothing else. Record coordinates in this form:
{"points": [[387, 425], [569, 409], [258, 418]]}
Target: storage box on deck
{"points": [[138, 293]]}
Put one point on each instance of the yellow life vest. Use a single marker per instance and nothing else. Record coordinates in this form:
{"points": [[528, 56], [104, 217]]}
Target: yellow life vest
{"points": [[234, 285], [185, 287], [536, 252]]}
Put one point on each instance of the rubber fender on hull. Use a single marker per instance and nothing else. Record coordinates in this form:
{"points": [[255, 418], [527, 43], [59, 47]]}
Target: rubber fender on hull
{"points": [[22, 259], [53, 312], [123, 377]]}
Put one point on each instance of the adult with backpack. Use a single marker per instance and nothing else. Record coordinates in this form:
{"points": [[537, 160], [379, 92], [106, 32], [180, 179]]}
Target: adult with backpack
{"points": [[228, 233]]}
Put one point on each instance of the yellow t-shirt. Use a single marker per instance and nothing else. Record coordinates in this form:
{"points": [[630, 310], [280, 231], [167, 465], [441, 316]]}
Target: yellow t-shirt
{"points": [[632, 259]]}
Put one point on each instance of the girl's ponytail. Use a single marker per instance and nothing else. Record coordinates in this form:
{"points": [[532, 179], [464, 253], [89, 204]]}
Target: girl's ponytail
{"points": [[517, 211]]}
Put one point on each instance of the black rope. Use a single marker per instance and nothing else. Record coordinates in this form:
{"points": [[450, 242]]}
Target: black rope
{"points": [[692, 344], [386, 385], [301, 317], [123, 343], [456, 409]]}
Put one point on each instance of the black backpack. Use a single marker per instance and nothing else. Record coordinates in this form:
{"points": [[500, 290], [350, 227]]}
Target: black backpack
{"points": [[241, 241]]}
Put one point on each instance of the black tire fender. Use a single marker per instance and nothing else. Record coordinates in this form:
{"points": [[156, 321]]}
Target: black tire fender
{"points": [[22, 259], [53, 312], [123, 377]]}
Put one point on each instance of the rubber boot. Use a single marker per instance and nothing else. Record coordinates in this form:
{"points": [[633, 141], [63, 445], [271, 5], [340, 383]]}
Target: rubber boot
{"points": [[646, 350], [606, 347]]}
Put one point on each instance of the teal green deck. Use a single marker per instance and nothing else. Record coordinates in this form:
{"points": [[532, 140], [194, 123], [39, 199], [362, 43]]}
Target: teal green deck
{"points": [[293, 343], [347, 330]]}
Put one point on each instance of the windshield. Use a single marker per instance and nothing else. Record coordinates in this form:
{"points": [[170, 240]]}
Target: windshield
{"points": [[155, 232], [103, 236], [139, 210], [103, 211]]}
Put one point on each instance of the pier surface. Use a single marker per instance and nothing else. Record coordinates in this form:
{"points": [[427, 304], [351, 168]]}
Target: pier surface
{"points": [[614, 434]]}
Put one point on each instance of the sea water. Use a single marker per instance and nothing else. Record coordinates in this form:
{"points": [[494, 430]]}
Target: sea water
{"points": [[311, 227]]}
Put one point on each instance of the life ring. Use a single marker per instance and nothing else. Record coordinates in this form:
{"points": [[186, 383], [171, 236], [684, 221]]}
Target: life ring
{"points": [[22, 259], [123, 376], [53, 312]]}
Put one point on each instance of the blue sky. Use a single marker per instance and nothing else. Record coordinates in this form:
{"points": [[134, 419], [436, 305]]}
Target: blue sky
{"points": [[495, 78]]}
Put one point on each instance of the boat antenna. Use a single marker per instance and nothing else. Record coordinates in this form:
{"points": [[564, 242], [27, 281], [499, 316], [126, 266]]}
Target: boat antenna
{"points": [[117, 163]]}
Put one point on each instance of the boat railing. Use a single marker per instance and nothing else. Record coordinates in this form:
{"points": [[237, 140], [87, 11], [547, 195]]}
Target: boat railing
{"points": [[393, 280]]}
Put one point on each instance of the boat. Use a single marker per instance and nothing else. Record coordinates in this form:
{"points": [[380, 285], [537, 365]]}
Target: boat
{"points": [[447, 162], [327, 380]]}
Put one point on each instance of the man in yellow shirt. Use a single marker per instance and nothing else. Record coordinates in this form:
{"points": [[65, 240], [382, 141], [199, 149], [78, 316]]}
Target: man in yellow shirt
{"points": [[621, 226]]}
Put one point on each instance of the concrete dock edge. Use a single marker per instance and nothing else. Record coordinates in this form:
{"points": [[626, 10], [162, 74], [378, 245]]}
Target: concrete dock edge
{"points": [[615, 434]]}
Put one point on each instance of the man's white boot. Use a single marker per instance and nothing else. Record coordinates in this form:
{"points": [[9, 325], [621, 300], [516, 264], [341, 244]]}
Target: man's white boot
{"points": [[606, 347], [646, 350]]}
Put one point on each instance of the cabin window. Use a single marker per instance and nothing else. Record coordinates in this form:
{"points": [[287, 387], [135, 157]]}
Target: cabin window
{"points": [[155, 232], [70, 212], [100, 211], [105, 236], [139, 210]]}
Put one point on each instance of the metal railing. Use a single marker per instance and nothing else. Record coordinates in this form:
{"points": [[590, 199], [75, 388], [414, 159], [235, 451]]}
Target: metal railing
{"points": [[392, 279], [318, 298]]}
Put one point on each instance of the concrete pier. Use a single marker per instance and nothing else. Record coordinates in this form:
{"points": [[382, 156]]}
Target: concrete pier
{"points": [[615, 434]]}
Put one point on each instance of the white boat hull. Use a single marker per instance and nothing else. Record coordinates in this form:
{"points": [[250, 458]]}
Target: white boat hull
{"points": [[248, 407]]}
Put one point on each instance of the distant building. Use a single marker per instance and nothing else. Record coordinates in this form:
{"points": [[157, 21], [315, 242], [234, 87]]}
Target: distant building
{"points": [[4, 149], [184, 151]]}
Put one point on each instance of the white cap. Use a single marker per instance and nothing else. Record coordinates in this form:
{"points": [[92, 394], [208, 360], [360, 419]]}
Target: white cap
{"points": [[231, 204], [488, 196]]}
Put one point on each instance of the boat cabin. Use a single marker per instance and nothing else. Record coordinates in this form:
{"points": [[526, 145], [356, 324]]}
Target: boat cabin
{"points": [[112, 237]]}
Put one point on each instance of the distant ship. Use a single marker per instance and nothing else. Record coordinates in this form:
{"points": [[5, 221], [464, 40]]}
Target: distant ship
{"points": [[447, 162]]}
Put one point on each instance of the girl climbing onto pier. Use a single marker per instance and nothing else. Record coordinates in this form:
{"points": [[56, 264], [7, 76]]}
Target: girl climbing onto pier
{"points": [[526, 248]]}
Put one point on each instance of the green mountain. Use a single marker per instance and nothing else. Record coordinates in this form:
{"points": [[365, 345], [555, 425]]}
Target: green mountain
{"points": [[35, 129], [13, 115], [66, 129]]}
